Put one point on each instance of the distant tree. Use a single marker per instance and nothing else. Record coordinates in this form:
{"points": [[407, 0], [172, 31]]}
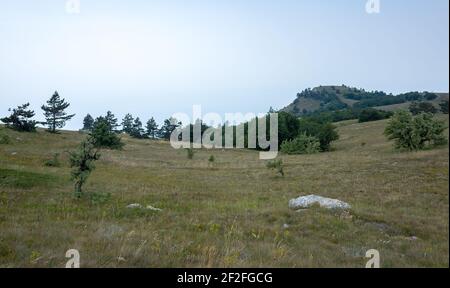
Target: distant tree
{"points": [[422, 107], [101, 135], [444, 106], [302, 144], [288, 127], [415, 133], [54, 112], [82, 163], [325, 132], [112, 121], [88, 122], [137, 131], [370, 114], [127, 123], [20, 119], [168, 127], [151, 128]]}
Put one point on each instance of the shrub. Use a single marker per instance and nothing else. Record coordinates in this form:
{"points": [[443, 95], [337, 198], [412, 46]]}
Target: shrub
{"points": [[444, 106], [415, 133], [211, 159], [190, 153], [276, 165], [303, 144], [422, 107], [53, 162], [4, 139], [325, 132], [368, 115], [82, 163]]}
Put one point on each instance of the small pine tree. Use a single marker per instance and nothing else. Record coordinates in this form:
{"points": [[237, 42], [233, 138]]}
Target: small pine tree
{"points": [[127, 123], [151, 128], [20, 119], [101, 135], [82, 163], [137, 131], [88, 122], [54, 112]]}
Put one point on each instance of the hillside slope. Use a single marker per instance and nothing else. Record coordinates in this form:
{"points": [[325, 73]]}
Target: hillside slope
{"points": [[334, 98], [232, 213]]}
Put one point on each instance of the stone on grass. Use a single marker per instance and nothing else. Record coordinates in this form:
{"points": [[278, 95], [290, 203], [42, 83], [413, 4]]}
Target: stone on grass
{"points": [[310, 200], [134, 205], [150, 207], [139, 206]]}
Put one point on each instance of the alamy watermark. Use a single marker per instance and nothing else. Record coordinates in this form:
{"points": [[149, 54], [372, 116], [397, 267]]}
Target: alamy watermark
{"points": [[73, 6], [226, 133], [373, 6]]}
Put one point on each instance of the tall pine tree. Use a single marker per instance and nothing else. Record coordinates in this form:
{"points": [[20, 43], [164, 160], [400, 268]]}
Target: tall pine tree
{"points": [[88, 122], [127, 123], [137, 131], [54, 112], [151, 128], [112, 121]]}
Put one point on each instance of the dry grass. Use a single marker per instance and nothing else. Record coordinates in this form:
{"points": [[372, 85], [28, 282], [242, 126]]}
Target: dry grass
{"points": [[229, 213]]}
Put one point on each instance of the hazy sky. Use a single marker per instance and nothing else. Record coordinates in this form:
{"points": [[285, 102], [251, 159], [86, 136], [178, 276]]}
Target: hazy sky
{"points": [[155, 58]]}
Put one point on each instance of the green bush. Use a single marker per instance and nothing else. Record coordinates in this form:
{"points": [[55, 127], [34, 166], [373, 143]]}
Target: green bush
{"points": [[325, 132], [190, 153], [102, 136], [276, 165], [415, 133], [370, 114], [422, 107], [303, 144], [53, 162], [5, 139]]}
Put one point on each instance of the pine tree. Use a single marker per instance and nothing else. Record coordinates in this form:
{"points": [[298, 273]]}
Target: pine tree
{"points": [[54, 112], [168, 127], [101, 135], [127, 123], [137, 131], [88, 122], [82, 163], [112, 121], [151, 128], [20, 119]]}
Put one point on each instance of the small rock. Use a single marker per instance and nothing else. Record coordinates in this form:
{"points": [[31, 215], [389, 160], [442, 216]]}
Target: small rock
{"points": [[14, 153], [150, 207], [134, 206], [308, 201], [285, 226], [121, 259]]}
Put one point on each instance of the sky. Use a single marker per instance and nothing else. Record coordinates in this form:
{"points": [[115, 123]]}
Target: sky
{"points": [[156, 58]]}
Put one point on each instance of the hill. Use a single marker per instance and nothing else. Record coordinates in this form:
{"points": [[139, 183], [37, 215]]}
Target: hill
{"points": [[232, 213], [335, 98]]}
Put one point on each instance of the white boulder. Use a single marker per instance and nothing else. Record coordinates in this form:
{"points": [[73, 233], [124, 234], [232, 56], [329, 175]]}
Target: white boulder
{"points": [[308, 201]]}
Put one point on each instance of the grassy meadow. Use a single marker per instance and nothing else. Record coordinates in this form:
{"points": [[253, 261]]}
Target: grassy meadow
{"points": [[232, 212]]}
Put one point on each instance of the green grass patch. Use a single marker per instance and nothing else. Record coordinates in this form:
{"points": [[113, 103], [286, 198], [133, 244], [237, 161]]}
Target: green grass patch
{"points": [[24, 179]]}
